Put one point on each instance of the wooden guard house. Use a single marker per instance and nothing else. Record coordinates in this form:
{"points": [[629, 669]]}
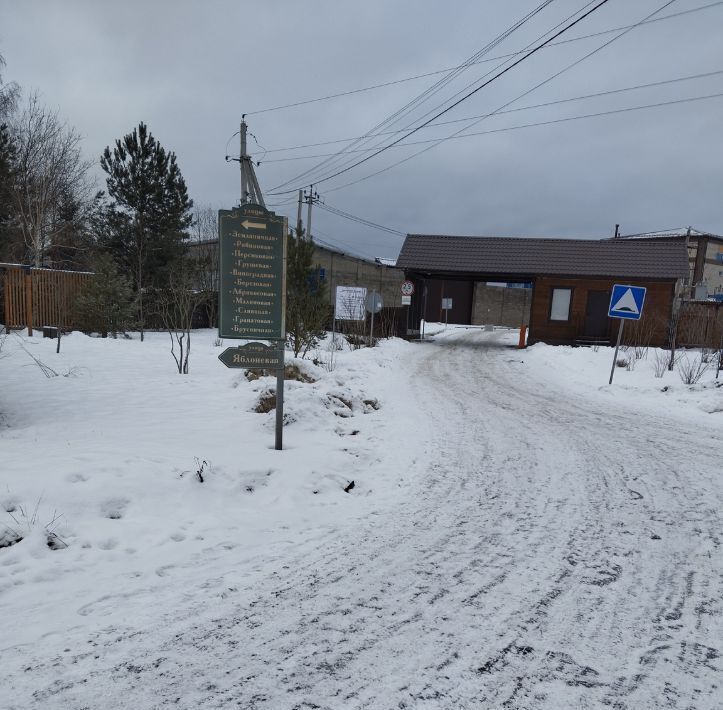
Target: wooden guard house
{"points": [[568, 282]]}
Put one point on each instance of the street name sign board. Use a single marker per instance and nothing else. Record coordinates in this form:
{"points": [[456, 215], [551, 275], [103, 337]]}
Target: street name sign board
{"points": [[627, 302], [252, 273], [407, 288], [253, 355], [350, 302]]}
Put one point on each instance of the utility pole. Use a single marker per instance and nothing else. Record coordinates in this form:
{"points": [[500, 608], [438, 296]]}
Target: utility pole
{"points": [[250, 190], [310, 198], [298, 215], [243, 156]]}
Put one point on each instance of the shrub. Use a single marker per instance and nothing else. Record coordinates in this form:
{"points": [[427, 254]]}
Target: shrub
{"points": [[660, 362], [692, 369]]}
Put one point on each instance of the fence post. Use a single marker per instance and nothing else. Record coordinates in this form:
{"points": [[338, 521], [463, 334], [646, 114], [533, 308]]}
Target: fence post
{"points": [[28, 299]]}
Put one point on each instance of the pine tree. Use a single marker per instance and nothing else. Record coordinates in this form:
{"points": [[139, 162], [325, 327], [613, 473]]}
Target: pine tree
{"points": [[107, 303], [307, 310], [150, 212]]}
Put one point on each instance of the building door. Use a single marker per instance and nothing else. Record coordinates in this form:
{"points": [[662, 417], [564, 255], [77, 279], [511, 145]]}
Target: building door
{"points": [[596, 314], [460, 294]]}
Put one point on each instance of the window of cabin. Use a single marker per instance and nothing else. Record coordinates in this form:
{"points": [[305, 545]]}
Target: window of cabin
{"points": [[560, 306]]}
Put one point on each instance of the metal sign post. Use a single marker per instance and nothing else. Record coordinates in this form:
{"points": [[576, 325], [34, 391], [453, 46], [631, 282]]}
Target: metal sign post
{"points": [[617, 347], [374, 304], [252, 291], [626, 303], [446, 307]]}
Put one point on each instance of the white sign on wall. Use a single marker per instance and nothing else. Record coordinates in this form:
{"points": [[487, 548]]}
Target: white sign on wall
{"points": [[350, 303]]}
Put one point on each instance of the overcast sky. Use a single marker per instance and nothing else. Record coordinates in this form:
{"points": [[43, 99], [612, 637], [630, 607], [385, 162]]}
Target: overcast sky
{"points": [[191, 69]]}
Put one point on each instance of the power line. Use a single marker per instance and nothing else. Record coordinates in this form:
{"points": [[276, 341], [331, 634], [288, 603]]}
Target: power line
{"points": [[528, 125], [500, 113], [464, 89], [360, 220], [428, 92], [508, 103], [481, 61], [338, 245], [572, 118], [469, 94], [418, 100]]}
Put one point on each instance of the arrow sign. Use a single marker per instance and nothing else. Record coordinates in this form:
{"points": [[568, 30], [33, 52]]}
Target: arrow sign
{"points": [[252, 225], [253, 355]]}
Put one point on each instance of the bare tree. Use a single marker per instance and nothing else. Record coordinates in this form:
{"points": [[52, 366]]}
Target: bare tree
{"points": [[177, 304], [49, 169], [204, 248], [8, 94]]}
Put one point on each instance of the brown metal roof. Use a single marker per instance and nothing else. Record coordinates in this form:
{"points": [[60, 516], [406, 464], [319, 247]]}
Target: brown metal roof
{"points": [[639, 258]]}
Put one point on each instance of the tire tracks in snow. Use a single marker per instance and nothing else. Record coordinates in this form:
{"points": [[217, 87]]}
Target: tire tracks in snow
{"points": [[520, 571]]}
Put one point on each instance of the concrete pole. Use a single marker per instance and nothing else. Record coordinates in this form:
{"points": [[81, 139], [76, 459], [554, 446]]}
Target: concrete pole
{"points": [[308, 214], [244, 187], [298, 215]]}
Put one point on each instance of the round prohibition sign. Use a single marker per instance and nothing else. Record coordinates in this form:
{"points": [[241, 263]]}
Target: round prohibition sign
{"points": [[407, 288]]}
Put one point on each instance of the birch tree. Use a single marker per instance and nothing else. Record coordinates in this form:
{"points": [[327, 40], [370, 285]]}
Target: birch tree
{"points": [[48, 170]]}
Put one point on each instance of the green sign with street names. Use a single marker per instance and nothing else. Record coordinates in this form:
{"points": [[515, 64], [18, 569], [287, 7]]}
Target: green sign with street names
{"points": [[252, 273]]}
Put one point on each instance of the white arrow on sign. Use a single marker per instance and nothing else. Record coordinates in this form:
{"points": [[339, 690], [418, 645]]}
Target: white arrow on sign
{"points": [[253, 225]]}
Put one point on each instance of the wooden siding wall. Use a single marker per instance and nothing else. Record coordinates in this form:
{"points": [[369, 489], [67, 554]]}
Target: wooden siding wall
{"points": [[652, 327], [53, 296]]}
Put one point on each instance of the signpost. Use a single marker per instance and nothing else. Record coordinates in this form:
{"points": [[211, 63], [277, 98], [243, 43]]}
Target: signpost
{"points": [[253, 356], [350, 302], [446, 307], [626, 303], [252, 256], [252, 291], [407, 288], [374, 304]]}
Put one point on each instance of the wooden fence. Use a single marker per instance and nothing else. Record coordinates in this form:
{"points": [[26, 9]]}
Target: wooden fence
{"points": [[700, 324], [34, 298]]}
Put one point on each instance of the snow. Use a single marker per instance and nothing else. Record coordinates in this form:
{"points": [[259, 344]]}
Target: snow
{"points": [[520, 534]]}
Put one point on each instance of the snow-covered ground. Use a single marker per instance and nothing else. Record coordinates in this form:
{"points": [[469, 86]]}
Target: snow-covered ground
{"points": [[519, 534]]}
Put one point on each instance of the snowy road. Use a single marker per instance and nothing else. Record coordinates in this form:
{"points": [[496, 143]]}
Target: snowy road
{"points": [[554, 552]]}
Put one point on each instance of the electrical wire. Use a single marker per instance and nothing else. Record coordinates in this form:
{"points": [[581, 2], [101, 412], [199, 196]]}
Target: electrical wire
{"points": [[502, 112], [469, 94], [509, 103], [427, 93], [360, 220], [330, 243], [462, 91], [553, 121], [368, 223], [481, 61]]}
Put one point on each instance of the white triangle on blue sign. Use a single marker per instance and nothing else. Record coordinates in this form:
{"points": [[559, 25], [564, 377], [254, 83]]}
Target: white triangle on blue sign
{"points": [[627, 303]]}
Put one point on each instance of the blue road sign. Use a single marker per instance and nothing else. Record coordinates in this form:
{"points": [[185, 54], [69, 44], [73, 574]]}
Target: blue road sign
{"points": [[627, 302]]}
